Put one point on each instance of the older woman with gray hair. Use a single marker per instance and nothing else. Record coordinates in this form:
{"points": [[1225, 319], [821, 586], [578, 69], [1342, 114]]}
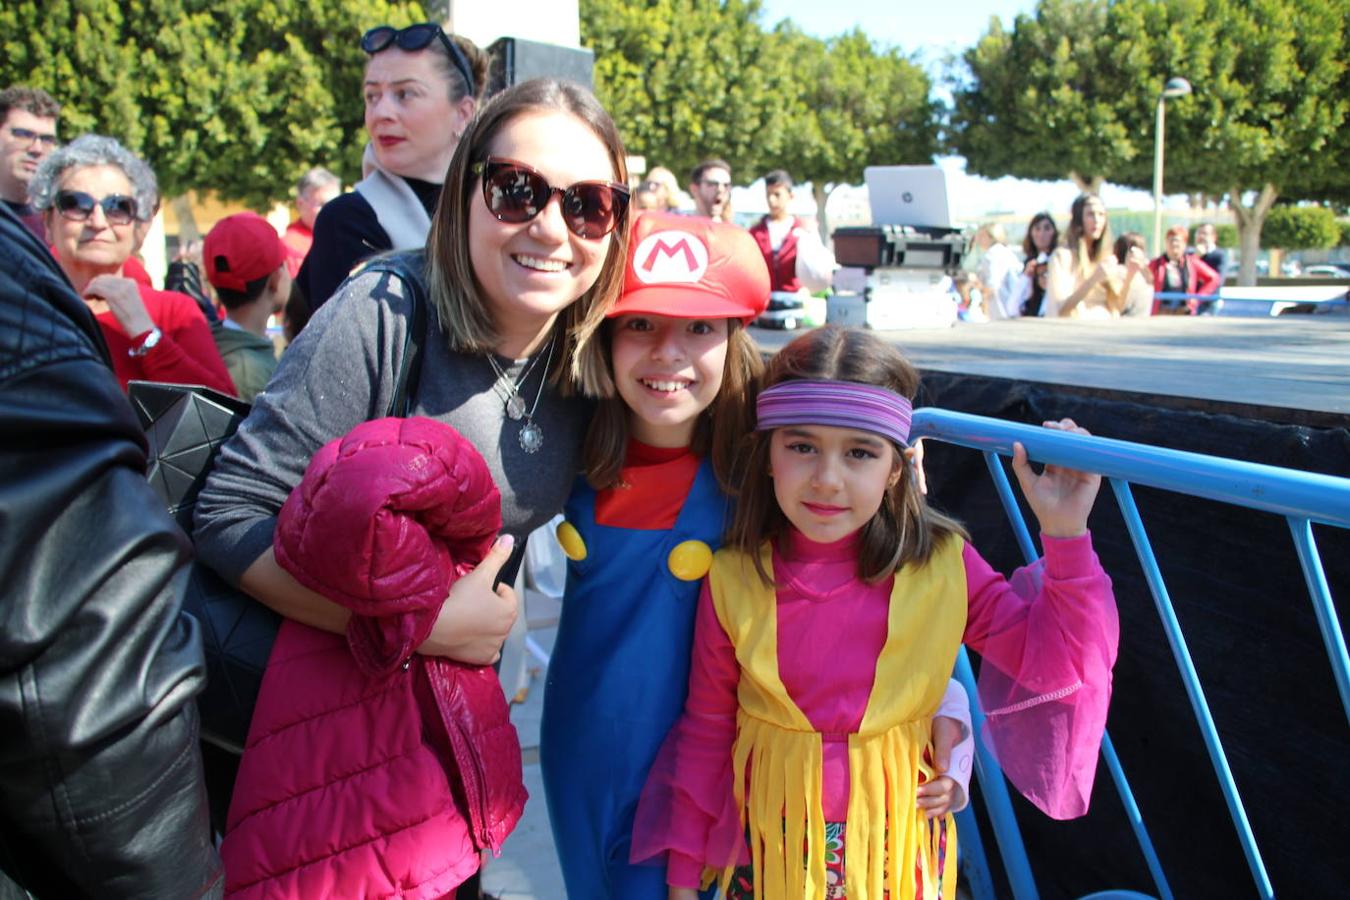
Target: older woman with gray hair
{"points": [[91, 194]]}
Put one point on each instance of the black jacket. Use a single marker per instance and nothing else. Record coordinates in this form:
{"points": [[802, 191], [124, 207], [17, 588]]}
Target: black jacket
{"points": [[101, 791]]}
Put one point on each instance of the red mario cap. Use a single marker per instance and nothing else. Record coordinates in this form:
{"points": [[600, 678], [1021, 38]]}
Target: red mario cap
{"points": [[241, 248], [692, 268]]}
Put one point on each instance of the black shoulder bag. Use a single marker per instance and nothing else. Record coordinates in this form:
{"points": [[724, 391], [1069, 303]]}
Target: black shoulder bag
{"points": [[186, 427]]}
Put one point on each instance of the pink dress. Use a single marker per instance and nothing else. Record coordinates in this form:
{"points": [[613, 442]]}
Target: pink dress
{"points": [[1048, 640]]}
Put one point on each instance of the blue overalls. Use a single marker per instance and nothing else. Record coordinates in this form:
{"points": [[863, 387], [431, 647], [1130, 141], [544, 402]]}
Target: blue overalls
{"points": [[617, 682]]}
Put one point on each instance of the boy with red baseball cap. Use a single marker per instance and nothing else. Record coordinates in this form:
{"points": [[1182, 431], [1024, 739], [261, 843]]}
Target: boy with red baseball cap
{"points": [[245, 262]]}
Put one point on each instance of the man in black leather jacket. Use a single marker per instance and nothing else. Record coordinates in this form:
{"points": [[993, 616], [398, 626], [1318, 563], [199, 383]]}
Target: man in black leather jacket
{"points": [[101, 791]]}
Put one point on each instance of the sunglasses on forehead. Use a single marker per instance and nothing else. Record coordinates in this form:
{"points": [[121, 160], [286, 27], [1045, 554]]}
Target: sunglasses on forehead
{"points": [[418, 37], [77, 206], [516, 193]]}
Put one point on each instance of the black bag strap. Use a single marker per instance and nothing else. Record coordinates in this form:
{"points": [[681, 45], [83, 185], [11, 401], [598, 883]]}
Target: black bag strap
{"points": [[410, 268]]}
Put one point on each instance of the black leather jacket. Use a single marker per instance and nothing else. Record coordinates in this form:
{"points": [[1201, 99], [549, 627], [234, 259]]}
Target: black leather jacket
{"points": [[101, 791]]}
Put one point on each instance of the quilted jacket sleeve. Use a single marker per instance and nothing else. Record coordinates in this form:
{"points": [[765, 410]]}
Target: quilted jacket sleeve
{"points": [[383, 522]]}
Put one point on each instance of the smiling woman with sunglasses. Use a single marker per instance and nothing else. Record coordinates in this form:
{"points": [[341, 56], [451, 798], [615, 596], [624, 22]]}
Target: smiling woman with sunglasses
{"points": [[421, 88], [525, 257], [92, 193]]}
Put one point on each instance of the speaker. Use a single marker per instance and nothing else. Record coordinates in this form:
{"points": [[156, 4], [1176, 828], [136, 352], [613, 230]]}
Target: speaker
{"points": [[513, 60]]}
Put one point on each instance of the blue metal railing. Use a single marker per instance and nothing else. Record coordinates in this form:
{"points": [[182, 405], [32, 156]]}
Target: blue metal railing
{"points": [[1302, 498]]}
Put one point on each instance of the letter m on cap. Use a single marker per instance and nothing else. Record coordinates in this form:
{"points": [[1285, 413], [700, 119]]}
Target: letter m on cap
{"points": [[670, 257]]}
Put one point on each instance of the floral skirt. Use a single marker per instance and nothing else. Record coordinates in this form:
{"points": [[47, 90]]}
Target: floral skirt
{"points": [[742, 885]]}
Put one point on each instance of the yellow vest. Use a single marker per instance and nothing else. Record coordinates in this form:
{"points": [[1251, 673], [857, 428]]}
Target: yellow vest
{"points": [[783, 812]]}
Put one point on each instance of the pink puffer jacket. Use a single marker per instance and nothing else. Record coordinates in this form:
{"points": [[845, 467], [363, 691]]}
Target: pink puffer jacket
{"points": [[371, 771]]}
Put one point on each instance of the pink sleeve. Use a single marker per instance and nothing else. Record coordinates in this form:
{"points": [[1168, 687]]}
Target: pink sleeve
{"points": [[956, 705], [687, 815], [1048, 640]]}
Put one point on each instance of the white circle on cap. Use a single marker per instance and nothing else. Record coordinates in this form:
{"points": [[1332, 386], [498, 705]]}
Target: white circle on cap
{"points": [[670, 257]]}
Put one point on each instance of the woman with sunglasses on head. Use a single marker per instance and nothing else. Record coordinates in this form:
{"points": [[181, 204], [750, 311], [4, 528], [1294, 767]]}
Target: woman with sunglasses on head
{"points": [[421, 88], [91, 195], [525, 258]]}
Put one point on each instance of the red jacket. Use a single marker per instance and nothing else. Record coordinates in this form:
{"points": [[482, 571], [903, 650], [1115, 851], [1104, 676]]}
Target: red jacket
{"points": [[1200, 277], [783, 264], [372, 771]]}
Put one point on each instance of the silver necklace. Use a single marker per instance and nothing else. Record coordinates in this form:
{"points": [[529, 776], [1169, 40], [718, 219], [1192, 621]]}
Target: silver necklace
{"points": [[531, 436], [508, 388]]}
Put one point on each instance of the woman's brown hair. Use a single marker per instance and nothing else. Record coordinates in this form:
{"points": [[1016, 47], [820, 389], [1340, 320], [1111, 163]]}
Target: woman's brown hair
{"points": [[459, 300], [905, 529], [718, 434], [1088, 253]]}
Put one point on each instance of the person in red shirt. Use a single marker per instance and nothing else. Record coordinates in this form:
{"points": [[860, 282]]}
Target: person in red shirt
{"points": [[91, 193], [315, 188], [1178, 272], [791, 245]]}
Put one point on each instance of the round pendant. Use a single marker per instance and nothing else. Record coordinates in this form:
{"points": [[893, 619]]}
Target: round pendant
{"points": [[515, 407], [531, 438]]}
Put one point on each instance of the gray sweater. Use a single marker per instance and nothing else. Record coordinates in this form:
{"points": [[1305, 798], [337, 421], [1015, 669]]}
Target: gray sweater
{"points": [[340, 372]]}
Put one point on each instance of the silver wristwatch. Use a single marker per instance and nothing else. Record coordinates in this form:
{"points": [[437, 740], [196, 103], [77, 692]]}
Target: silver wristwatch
{"points": [[150, 341]]}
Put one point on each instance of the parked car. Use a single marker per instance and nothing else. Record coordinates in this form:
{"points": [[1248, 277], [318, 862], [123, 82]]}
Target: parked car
{"points": [[1327, 270]]}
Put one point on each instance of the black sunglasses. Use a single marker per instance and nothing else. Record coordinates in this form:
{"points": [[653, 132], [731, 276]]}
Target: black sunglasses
{"points": [[516, 193], [77, 206], [418, 37]]}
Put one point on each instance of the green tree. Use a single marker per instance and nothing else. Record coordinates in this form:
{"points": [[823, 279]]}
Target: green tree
{"points": [[239, 97], [686, 79], [689, 79], [848, 104], [1024, 90], [1266, 120], [1301, 228]]}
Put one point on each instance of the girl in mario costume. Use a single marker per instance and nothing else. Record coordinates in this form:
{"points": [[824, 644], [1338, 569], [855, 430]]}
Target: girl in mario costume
{"points": [[826, 627], [640, 529]]}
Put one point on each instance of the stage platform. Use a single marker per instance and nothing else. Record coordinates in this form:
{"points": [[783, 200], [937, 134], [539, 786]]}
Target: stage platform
{"points": [[1291, 369]]}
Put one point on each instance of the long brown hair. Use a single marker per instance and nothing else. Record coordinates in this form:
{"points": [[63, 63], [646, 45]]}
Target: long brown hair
{"points": [[459, 300], [905, 529], [718, 434], [1088, 253]]}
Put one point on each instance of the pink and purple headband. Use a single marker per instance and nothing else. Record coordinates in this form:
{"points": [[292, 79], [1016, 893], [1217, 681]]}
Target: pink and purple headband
{"points": [[844, 404]]}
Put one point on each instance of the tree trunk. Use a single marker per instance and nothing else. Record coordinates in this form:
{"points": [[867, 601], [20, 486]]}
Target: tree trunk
{"points": [[822, 196], [1091, 185], [187, 222], [1249, 223]]}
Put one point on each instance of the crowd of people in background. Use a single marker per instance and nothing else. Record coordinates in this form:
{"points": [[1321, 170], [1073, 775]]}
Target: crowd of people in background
{"points": [[1087, 275]]}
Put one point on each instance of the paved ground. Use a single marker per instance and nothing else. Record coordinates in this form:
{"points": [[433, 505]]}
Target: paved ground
{"points": [[528, 867]]}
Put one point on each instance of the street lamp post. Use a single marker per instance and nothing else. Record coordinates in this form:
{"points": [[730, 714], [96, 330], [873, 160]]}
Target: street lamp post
{"points": [[1175, 87]]}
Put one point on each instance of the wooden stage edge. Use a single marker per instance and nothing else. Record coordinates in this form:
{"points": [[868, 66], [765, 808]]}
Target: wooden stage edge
{"points": [[1292, 369]]}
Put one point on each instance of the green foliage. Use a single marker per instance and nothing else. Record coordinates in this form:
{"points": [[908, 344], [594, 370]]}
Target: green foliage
{"points": [[1074, 89], [238, 96], [690, 79], [1301, 228], [1226, 236], [849, 104], [1039, 101], [1345, 233], [684, 79]]}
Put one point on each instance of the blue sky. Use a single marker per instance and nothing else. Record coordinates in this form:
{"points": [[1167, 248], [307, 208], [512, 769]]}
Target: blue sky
{"points": [[929, 29]]}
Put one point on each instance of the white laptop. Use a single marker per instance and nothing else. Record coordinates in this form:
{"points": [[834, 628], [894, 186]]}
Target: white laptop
{"points": [[908, 195]]}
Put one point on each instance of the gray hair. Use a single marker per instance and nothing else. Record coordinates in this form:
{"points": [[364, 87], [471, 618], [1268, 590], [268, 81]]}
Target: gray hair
{"points": [[94, 150], [315, 178]]}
